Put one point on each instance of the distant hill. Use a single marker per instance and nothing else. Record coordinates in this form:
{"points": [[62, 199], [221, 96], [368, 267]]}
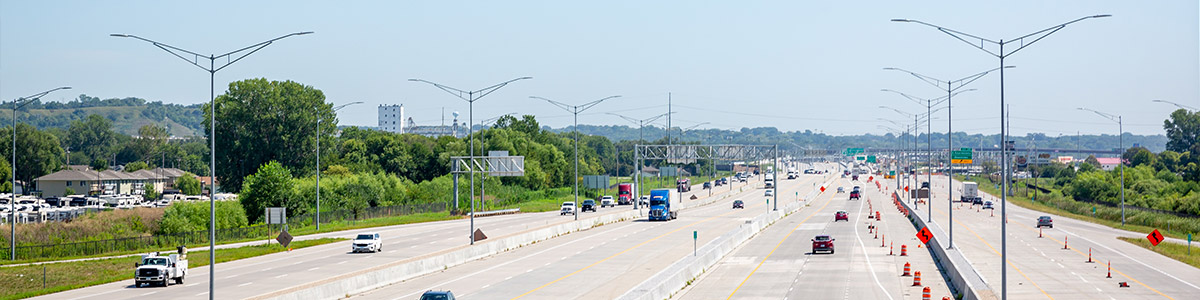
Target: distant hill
{"points": [[128, 114]]}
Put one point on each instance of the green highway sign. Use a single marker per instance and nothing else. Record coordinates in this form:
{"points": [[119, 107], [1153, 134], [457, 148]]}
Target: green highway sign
{"points": [[871, 159], [963, 156], [853, 151]]}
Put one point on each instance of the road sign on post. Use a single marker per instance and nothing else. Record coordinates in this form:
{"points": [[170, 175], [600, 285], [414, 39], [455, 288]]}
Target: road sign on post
{"points": [[1155, 237], [925, 235], [963, 156]]}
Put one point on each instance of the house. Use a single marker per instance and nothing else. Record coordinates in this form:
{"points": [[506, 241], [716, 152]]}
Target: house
{"points": [[106, 182], [1109, 163]]}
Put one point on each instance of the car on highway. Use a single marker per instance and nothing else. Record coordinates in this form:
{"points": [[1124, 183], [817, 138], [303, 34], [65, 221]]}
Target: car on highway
{"points": [[925, 185], [588, 204], [841, 190], [367, 242], [1045, 221], [822, 243], [855, 195], [841, 215], [739, 204], [977, 201], [566, 208], [768, 193], [437, 295], [724, 180], [607, 201], [742, 179], [856, 188], [707, 185], [645, 200], [988, 205]]}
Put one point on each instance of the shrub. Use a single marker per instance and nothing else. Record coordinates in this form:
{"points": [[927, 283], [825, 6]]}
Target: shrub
{"points": [[193, 216]]}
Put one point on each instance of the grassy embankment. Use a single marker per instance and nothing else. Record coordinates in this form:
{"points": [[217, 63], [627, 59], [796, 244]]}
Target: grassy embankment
{"points": [[1172, 250], [27, 281]]}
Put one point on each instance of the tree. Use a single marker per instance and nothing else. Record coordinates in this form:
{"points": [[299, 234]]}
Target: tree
{"points": [[5, 181], [69, 191], [263, 121], [271, 186], [151, 193], [99, 164], [1143, 157], [1183, 130], [1091, 160], [38, 152], [188, 184], [135, 166], [93, 136]]}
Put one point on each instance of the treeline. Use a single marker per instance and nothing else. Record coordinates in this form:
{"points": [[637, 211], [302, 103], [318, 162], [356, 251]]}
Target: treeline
{"points": [[127, 113]]}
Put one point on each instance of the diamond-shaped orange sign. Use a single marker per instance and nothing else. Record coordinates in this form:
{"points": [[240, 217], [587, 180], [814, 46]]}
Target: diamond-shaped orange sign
{"points": [[1155, 237], [822, 189], [925, 235]]}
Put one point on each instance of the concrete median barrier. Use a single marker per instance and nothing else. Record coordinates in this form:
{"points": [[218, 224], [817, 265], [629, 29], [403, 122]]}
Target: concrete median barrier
{"points": [[957, 270]]}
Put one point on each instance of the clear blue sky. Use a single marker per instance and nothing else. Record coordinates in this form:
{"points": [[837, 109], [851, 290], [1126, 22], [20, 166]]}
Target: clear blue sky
{"points": [[794, 65]]}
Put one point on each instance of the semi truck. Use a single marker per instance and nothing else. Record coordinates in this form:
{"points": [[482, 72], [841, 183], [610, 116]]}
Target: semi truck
{"points": [[625, 194], [683, 185], [660, 206], [159, 269], [970, 191]]}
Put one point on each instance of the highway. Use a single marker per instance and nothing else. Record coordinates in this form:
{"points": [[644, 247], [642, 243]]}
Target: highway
{"points": [[778, 264], [1039, 267], [258, 275], [600, 263]]}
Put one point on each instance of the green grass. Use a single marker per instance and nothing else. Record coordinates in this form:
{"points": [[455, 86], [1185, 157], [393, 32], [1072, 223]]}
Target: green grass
{"points": [[1168, 249], [26, 281]]}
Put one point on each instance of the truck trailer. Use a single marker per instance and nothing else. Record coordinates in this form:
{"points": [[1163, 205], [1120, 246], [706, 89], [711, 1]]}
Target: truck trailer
{"points": [[625, 194]]}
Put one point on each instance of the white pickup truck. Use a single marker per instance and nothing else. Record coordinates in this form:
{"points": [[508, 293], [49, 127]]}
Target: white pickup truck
{"points": [[158, 269]]}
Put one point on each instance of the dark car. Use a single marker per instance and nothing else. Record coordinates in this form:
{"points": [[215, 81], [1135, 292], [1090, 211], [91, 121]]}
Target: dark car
{"points": [[925, 185], [977, 200], [725, 180], [738, 204], [854, 178], [707, 185], [841, 215], [822, 243], [854, 195], [1045, 221], [437, 295], [588, 205]]}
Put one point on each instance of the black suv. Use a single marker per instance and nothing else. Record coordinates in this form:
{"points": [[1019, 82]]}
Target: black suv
{"points": [[588, 205]]}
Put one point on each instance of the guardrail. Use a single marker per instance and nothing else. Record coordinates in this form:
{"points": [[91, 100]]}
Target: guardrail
{"points": [[495, 212]]}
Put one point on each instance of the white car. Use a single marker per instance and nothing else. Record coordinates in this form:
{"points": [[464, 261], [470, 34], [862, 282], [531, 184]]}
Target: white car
{"points": [[367, 242], [607, 201], [567, 208], [769, 193], [645, 200]]}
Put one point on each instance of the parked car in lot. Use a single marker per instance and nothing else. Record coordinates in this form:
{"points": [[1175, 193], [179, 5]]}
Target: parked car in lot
{"points": [[841, 215], [607, 201], [566, 208], [437, 295], [1045, 221], [822, 243], [739, 204], [988, 205], [588, 204], [367, 242]]}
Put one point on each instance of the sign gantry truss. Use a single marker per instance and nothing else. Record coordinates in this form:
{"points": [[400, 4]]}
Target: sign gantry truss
{"points": [[491, 165], [691, 153]]}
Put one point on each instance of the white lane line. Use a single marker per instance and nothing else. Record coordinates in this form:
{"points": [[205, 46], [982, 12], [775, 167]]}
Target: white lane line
{"points": [[230, 276], [191, 284], [148, 294], [281, 275], [314, 268], [857, 217], [202, 294], [342, 262], [1131, 258], [245, 284]]}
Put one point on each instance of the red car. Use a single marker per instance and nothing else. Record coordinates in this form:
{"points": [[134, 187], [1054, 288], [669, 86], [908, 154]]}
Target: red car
{"points": [[822, 243], [841, 215], [854, 195]]}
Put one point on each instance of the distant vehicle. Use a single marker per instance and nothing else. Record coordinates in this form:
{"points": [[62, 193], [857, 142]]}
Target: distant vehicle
{"points": [[854, 178], [925, 185], [158, 269], [607, 201], [857, 188], [970, 191], [855, 195], [724, 180], [841, 190], [683, 185], [707, 185], [987, 205], [660, 206], [768, 193], [792, 175], [977, 200], [841, 215], [567, 208], [625, 194], [822, 243], [1045, 221], [588, 204], [769, 181], [366, 242], [739, 204], [741, 179], [437, 295]]}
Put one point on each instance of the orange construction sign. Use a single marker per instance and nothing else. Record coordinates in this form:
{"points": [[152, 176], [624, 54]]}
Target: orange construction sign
{"points": [[822, 189], [1155, 237], [906, 188], [925, 235]]}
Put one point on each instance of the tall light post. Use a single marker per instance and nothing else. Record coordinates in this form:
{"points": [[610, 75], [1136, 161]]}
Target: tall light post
{"points": [[575, 110], [471, 97], [1120, 163], [1184, 107], [12, 201], [1001, 54], [929, 103], [638, 169], [951, 86], [335, 109], [212, 167], [917, 118]]}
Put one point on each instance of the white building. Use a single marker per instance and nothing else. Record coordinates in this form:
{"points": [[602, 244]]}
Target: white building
{"points": [[391, 118]]}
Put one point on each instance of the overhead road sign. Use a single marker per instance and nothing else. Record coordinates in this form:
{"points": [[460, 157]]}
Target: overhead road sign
{"points": [[963, 156]]}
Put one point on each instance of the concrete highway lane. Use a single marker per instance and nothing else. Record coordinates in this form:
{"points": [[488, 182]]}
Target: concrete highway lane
{"points": [[1040, 267], [779, 264], [259, 275], [600, 263]]}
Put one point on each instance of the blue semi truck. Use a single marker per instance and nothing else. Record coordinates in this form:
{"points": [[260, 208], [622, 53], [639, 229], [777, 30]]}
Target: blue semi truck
{"points": [[660, 206]]}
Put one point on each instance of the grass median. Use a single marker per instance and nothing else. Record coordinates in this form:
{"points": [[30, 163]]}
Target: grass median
{"points": [[34, 280]]}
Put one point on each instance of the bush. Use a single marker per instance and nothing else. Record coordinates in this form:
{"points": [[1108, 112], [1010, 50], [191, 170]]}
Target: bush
{"points": [[188, 184], [271, 186], [193, 216]]}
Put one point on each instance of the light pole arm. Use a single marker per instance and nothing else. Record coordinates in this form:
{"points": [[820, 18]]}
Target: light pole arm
{"points": [[21, 102], [980, 42], [195, 56]]}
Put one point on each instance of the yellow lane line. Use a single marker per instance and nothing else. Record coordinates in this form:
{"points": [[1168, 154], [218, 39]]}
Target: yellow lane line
{"points": [[735, 290], [634, 247]]}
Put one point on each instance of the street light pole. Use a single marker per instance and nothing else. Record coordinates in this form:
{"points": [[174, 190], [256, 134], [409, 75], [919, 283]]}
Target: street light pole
{"points": [[575, 110], [12, 201], [638, 169], [951, 86], [335, 109], [212, 83], [1184, 107], [1001, 54], [1120, 163], [470, 97]]}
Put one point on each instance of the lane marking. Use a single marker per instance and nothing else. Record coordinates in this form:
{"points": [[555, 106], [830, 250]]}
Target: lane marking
{"points": [[1010, 262], [245, 284], [785, 237], [281, 276], [857, 217]]}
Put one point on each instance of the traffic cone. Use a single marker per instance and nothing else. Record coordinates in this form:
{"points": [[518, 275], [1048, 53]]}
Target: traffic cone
{"points": [[1090, 255], [891, 250], [917, 278], [1039, 232], [993, 212], [1065, 243], [903, 250], [925, 294], [906, 270], [1109, 270]]}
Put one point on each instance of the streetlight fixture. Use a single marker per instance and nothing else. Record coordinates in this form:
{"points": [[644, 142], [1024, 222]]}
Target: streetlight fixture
{"points": [[335, 109], [638, 170], [1001, 54], [951, 86], [212, 80], [575, 110], [470, 97], [1121, 164], [12, 201], [1185, 107]]}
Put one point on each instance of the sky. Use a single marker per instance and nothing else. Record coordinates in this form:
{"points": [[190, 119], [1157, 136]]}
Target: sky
{"points": [[793, 65]]}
